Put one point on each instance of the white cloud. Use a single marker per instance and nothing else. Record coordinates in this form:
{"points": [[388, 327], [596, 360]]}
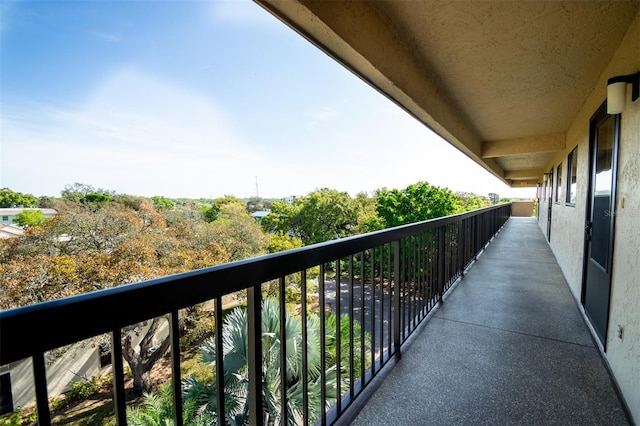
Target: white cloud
{"points": [[136, 135], [140, 135]]}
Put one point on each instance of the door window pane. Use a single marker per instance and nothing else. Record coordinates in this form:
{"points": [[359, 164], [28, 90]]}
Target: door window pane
{"points": [[602, 212]]}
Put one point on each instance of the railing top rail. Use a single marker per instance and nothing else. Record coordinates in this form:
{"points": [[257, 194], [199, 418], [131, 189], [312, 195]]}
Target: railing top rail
{"points": [[36, 328]]}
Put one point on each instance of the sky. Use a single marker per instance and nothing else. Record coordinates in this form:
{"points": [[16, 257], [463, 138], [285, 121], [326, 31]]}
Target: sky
{"points": [[199, 99]]}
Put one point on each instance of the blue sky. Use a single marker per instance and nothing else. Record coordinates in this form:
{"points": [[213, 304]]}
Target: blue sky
{"points": [[198, 99]]}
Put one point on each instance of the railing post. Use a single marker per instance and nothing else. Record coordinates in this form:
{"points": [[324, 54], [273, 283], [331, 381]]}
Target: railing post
{"points": [[396, 298], [283, 351], [174, 333], [119, 399], [220, 409], [441, 260], [465, 260], [254, 335], [42, 399]]}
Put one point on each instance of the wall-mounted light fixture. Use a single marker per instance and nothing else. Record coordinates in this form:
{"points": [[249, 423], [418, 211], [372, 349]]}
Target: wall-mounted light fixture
{"points": [[617, 91], [545, 177]]}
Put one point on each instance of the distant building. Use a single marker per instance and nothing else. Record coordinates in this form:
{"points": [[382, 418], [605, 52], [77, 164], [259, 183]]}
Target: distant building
{"points": [[10, 231], [7, 215], [289, 200], [260, 214]]}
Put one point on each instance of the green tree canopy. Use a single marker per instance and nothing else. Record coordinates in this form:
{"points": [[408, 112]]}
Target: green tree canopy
{"points": [[235, 361], [324, 214], [281, 242], [494, 198], [470, 201], [417, 202], [30, 217], [237, 232], [211, 214], [9, 198], [82, 193], [162, 203], [256, 203]]}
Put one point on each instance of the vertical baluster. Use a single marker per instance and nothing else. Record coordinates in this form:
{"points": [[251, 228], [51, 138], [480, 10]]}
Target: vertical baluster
{"points": [[305, 360], [421, 276], [42, 398], [372, 313], [397, 312], [283, 352], [351, 333], [389, 295], [338, 339], [441, 262], [403, 286], [176, 383], [219, 362], [381, 303], [119, 398], [412, 241], [323, 348], [362, 319], [254, 334]]}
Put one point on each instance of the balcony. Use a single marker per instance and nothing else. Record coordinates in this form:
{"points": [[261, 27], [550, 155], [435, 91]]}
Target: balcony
{"points": [[503, 348], [507, 346]]}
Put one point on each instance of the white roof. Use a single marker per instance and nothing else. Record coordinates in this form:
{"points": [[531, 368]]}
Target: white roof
{"points": [[8, 231], [17, 210]]}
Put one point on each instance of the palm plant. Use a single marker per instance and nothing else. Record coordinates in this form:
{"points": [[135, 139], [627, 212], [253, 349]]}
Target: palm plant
{"points": [[235, 348], [157, 410]]}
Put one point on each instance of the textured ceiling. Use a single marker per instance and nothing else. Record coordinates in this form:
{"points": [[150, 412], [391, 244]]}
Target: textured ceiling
{"points": [[500, 80], [502, 63]]}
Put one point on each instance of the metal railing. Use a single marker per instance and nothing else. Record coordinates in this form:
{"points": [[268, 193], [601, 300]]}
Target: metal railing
{"points": [[382, 284]]}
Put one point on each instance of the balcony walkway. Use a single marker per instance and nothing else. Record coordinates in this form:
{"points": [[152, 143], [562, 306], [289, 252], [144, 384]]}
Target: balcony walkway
{"points": [[508, 347]]}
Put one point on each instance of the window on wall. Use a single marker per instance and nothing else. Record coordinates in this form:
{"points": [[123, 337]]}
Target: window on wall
{"points": [[572, 176], [559, 183]]}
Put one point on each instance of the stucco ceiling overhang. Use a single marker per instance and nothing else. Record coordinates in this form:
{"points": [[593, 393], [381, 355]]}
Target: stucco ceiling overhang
{"points": [[500, 80]]}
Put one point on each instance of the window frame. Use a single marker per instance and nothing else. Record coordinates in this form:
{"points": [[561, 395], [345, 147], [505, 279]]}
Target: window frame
{"points": [[558, 194], [571, 190]]}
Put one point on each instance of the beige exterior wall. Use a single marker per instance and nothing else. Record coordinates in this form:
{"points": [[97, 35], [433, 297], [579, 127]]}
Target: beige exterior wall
{"points": [[567, 233], [522, 208]]}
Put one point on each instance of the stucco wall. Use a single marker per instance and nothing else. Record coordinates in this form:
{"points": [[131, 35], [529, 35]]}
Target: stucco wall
{"points": [[624, 354], [522, 208], [567, 230]]}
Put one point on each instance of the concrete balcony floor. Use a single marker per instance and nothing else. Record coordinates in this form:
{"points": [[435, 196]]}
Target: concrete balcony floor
{"points": [[507, 347]]}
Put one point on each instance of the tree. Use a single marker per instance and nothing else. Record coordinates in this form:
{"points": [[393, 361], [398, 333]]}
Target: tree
{"points": [[82, 193], [472, 201], [324, 214], [211, 214], [368, 219], [46, 202], [143, 356], [280, 241], [494, 198], [237, 232], [415, 203], [162, 203], [29, 218], [255, 204], [9, 198], [235, 361]]}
